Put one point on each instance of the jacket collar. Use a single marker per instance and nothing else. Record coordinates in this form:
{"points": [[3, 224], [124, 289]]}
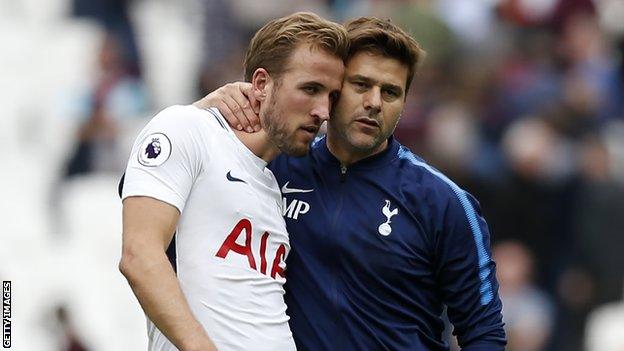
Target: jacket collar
{"points": [[321, 152]]}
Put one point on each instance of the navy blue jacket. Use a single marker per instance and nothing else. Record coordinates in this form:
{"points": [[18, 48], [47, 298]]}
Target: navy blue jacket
{"points": [[378, 249]]}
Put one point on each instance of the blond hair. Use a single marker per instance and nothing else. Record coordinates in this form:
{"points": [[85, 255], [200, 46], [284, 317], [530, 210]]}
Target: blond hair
{"points": [[273, 44]]}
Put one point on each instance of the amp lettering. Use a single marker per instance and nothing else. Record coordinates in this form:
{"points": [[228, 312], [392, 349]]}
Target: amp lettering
{"points": [[295, 208]]}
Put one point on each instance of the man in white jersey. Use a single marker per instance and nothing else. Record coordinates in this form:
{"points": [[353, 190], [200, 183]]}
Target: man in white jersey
{"points": [[195, 176]]}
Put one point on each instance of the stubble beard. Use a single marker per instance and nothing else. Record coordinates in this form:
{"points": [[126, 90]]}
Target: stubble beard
{"points": [[274, 123], [359, 144], [355, 143]]}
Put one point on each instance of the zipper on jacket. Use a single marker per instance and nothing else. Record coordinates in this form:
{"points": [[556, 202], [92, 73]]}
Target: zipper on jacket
{"points": [[340, 330], [343, 173]]}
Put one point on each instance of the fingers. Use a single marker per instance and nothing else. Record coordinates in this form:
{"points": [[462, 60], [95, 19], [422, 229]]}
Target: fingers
{"points": [[247, 90], [236, 103], [251, 105], [227, 113], [255, 105], [238, 113], [217, 99], [206, 102]]}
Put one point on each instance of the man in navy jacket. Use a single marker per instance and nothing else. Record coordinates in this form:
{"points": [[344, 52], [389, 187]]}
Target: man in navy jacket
{"points": [[381, 241]]}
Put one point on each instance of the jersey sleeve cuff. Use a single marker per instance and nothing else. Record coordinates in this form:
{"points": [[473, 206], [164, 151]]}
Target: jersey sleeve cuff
{"points": [[140, 189]]}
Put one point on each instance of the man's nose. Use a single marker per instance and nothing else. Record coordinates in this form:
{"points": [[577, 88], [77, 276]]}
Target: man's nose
{"points": [[321, 109], [372, 100]]}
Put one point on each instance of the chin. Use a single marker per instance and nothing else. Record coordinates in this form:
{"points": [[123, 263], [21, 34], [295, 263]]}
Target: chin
{"points": [[364, 142], [297, 150]]}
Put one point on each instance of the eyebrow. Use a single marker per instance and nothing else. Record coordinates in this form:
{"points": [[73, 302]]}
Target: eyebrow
{"points": [[371, 81], [319, 85], [312, 83]]}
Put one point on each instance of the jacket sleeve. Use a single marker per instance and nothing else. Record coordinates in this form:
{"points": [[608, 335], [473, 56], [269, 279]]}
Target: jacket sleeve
{"points": [[466, 275]]}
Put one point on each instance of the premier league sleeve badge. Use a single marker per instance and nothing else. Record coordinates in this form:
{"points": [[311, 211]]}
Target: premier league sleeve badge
{"points": [[155, 149]]}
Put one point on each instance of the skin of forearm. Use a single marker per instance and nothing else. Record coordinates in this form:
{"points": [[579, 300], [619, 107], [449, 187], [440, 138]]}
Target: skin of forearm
{"points": [[155, 285]]}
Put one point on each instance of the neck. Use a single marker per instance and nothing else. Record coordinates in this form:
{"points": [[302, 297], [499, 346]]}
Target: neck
{"points": [[259, 144], [346, 153]]}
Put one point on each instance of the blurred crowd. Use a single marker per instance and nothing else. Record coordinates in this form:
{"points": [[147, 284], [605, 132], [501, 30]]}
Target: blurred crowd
{"points": [[520, 102]]}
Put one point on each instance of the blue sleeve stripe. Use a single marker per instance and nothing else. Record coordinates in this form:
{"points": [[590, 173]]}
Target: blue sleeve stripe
{"points": [[484, 258]]}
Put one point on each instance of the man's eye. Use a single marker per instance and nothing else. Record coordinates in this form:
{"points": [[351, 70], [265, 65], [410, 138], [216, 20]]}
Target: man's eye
{"points": [[310, 90], [360, 85], [391, 93]]}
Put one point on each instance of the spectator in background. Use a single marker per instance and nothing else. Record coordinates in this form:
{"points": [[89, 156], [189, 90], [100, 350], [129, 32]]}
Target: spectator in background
{"points": [[116, 95], [223, 44], [599, 219], [114, 16], [118, 92], [528, 312], [533, 205]]}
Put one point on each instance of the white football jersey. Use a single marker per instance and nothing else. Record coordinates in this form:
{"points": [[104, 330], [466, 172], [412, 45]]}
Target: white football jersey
{"points": [[231, 240]]}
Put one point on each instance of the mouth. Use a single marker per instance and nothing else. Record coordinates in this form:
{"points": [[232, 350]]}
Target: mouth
{"points": [[311, 130], [368, 122]]}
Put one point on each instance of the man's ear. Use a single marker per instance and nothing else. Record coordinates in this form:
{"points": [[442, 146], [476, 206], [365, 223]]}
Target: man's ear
{"points": [[261, 83]]}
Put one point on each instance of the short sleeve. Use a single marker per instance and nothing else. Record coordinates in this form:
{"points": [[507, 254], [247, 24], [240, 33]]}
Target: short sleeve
{"points": [[167, 156]]}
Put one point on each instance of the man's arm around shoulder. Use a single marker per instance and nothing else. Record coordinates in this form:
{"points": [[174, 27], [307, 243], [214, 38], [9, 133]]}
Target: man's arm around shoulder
{"points": [[148, 227]]}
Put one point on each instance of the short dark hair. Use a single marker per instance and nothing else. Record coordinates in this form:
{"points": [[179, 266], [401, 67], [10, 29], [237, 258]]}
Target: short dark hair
{"points": [[381, 37]]}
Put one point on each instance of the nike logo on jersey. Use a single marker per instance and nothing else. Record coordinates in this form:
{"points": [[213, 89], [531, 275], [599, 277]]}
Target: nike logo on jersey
{"points": [[287, 190], [233, 179]]}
